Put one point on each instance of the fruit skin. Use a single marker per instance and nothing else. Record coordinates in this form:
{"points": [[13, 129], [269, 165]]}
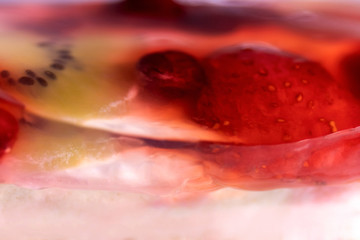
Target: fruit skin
{"points": [[264, 96], [170, 74], [9, 128], [350, 69], [11, 111], [167, 9]]}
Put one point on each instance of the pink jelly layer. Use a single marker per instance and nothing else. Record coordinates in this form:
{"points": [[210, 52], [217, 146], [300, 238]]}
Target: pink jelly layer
{"points": [[153, 167], [170, 168]]}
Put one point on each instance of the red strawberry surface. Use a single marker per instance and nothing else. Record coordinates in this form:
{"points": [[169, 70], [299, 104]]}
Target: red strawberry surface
{"points": [[350, 68], [265, 96], [10, 112], [8, 131]]}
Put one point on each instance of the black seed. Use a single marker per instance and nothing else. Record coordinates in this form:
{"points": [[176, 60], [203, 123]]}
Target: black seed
{"points": [[30, 73], [57, 66], [50, 74], [44, 44], [42, 81], [64, 51], [5, 74], [59, 61], [66, 56], [11, 81], [26, 81]]}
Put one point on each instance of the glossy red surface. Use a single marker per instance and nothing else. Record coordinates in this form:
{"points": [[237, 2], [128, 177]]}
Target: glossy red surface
{"points": [[8, 131], [266, 96]]}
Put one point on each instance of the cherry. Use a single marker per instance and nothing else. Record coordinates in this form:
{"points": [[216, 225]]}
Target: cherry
{"points": [[154, 8], [171, 74]]}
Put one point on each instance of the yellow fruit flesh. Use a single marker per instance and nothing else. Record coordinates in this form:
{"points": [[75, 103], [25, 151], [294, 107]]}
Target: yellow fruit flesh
{"points": [[93, 84], [45, 145]]}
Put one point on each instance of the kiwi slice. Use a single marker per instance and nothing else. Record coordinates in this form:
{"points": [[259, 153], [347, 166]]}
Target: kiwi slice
{"points": [[74, 79]]}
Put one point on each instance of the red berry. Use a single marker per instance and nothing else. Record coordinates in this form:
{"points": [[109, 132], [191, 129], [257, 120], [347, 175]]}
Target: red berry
{"points": [[8, 131], [264, 96], [154, 8], [350, 67], [170, 73]]}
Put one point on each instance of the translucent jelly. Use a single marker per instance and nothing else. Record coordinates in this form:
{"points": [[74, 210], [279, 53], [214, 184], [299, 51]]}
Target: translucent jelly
{"points": [[84, 75]]}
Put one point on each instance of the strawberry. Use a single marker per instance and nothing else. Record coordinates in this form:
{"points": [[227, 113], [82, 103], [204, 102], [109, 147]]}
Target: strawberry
{"points": [[350, 68], [264, 96], [8, 131], [170, 74], [10, 112]]}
